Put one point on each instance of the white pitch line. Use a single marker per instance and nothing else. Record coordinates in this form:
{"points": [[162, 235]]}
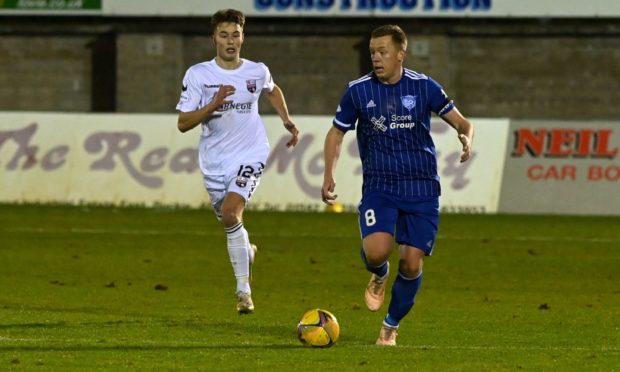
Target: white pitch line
{"points": [[283, 234]]}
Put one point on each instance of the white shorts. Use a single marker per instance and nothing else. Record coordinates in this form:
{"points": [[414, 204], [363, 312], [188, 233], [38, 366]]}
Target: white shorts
{"points": [[243, 181]]}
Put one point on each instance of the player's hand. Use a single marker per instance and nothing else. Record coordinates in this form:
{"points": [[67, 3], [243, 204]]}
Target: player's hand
{"points": [[466, 155], [224, 92], [290, 126], [327, 191]]}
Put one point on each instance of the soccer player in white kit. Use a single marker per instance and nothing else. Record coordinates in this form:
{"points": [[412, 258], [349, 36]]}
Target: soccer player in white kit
{"points": [[222, 95]]}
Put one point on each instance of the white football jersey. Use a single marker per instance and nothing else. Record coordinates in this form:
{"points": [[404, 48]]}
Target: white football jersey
{"points": [[235, 134]]}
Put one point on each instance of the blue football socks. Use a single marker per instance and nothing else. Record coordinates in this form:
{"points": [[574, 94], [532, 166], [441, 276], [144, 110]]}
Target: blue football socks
{"points": [[381, 271], [403, 297]]}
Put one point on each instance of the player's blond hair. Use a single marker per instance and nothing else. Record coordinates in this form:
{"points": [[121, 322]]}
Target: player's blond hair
{"points": [[398, 35]]}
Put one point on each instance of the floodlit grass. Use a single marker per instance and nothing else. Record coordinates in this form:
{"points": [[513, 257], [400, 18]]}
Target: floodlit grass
{"points": [[78, 291]]}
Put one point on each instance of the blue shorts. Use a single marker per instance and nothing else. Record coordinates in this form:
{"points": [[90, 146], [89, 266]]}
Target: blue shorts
{"points": [[412, 221]]}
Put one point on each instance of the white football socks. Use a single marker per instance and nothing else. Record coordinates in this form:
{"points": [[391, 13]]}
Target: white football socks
{"points": [[238, 250]]}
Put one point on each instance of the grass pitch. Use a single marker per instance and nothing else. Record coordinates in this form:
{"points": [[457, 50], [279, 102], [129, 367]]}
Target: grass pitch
{"points": [[152, 289]]}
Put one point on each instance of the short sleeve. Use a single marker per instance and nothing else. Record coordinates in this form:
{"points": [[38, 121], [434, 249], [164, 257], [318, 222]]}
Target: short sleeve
{"points": [[439, 101], [346, 113], [269, 84], [190, 93]]}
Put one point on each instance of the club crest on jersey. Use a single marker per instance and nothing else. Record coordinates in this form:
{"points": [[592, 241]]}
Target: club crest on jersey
{"points": [[251, 84], [241, 181], [408, 101]]}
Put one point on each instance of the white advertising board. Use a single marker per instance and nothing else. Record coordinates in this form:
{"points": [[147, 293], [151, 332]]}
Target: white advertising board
{"points": [[473, 186], [91, 158], [143, 159], [369, 8], [296, 177]]}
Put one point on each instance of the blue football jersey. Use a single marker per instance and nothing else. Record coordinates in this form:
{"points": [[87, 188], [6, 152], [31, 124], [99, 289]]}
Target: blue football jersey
{"points": [[393, 123]]}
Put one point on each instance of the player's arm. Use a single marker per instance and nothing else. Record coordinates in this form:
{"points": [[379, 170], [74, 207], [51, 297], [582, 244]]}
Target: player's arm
{"points": [[276, 98], [331, 153], [190, 119], [464, 128]]}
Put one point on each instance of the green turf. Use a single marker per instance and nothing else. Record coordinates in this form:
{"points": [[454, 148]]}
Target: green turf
{"points": [[77, 291]]}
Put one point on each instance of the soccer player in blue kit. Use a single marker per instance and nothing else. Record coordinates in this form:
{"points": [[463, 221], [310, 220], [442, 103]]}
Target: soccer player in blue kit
{"points": [[391, 109]]}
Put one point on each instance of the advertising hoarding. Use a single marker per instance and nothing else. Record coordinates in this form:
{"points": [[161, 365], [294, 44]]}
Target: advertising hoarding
{"points": [[370, 8], [51, 7], [319, 8], [559, 167], [143, 159]]}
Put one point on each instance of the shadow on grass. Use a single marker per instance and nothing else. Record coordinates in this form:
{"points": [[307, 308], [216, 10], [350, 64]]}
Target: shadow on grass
{"points": [[33, 325], [148, 347], [243, 327]]}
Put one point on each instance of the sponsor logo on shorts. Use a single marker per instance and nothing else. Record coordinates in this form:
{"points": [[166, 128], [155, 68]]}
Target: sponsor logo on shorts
{"points": [[241, 181]]}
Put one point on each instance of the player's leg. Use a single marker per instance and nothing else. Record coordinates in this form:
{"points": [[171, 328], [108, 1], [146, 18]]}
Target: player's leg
{"points": [[217, 187], [416, 232], [237, 238], [228, 208], [404, 290], [378, 245], [377, 217], [406, 284], [242, 253], [238, 245]]}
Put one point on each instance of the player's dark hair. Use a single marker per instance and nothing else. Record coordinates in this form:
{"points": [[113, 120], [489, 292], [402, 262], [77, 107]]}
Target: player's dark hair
{"points": [[398, 35], [227, 15]]}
